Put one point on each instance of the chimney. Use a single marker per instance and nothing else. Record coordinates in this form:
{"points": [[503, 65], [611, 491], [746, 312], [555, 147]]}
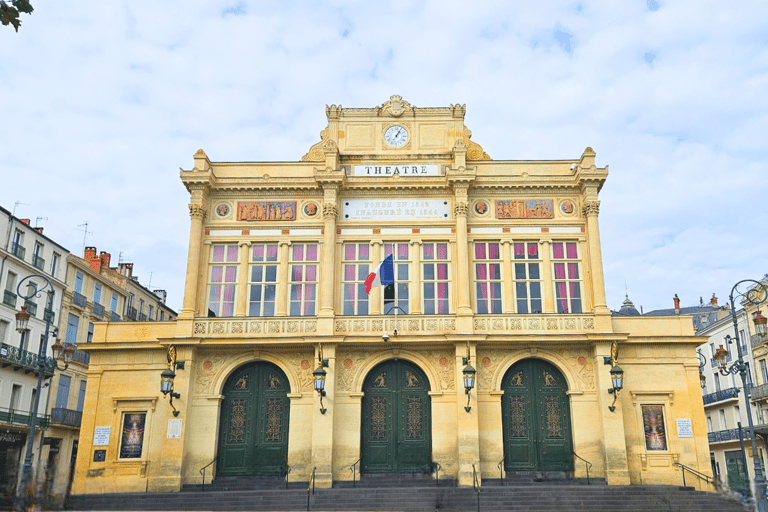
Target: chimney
{"points": [[162, 294], [89, 254], [25, 221], [125, 269], [713, 301], [677, 304], [39, 230], [105, 257]]}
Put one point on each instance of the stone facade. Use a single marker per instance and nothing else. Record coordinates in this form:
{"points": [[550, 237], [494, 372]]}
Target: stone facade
{"points": [[277, 257]]}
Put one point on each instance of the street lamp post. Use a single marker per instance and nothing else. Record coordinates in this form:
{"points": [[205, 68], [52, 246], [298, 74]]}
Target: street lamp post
{"points": [[753, 296], [22, 319]]}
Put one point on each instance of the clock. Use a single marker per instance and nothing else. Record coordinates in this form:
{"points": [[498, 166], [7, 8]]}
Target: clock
{"points": [[396, 136]]}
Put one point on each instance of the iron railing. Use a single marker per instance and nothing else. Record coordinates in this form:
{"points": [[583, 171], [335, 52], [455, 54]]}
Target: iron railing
{"points": [[9, 298], [79, 300], [18, 357], [759, 392], [700, 476], [23, 417], [437, 467], [66, 417], [98, 309], [311, 486], [353, 469], [81, 357], [131, 313], [476, 485], [721, 436], [38, 262], [500, 465], [142, 317], [202, 472], [587, 464], [18, 250], [114, 317], [756, 340], [719, 396]]}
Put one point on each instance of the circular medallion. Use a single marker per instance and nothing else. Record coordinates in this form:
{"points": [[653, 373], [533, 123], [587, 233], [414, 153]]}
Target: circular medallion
{"points": [[396, 136], [567, 207], [582, 360], [305, 364], [347, 363], [310, 209], [486, 361], [481, 207], [222, 210], [443, 361], [207, 365]]}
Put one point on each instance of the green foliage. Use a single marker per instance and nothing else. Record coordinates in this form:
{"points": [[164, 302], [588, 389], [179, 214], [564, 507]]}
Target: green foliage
{"points": [[9, 14]]}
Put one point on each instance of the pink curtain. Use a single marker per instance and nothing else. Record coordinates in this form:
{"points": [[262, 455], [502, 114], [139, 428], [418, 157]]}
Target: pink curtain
{"points": [[218, 253], [480, 251], [272, 253], [231, 253], [561, 295], [559, 270], [363, 252], [258, 253], [312, 252], [309, 299], [442, 271], [231, 274], [216, 273], [298, 252], [311, 273], [442, 298], [442, 251], [533, 251], [429, 251], [297, 273], [570, 248], [349, 272], [573, 271], [493, 251], [519, 249], [349, 252], [402, 251], [557, 251]]}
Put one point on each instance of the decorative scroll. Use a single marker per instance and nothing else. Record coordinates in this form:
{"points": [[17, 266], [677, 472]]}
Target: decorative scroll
{"points": [[237, 421], [381, 380], [267, 210], [549, 380], [653, 423], [378, 417], [517, 416], [274, 419], [554, 426], [414, 418], [530, 209], [133, 436], [411, 380]]}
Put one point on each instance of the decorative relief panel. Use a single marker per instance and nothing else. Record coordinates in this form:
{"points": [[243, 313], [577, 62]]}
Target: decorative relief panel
{"points": [[266, 210], [378, 417], [554, 424], [300, 362], [244, 328], [517, 416], [485, 373], [525, 209], [351, 362], [581, 366], [444, 363], [208, 367]]}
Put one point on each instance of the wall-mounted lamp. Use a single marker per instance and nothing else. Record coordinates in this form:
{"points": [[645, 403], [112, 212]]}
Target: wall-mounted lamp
{"points": [[469, 378], [617, 375], [166, 378], [319, 375]]}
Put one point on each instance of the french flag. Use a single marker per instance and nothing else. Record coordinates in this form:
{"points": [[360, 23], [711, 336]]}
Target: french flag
{"points": [[382, 275]]}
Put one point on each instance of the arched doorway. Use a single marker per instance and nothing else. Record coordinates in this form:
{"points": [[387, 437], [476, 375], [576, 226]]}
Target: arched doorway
{"points": [[397, 427], [536, 418], [253, 433]]}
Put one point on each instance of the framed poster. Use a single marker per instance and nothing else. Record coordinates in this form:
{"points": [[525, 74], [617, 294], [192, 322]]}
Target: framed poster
{"points": [[653, 424], [132, 437]]}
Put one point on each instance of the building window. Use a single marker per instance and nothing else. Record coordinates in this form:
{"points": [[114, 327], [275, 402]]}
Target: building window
{"points": [[150, 311], [162, 315], [15, 396], [97, 293], [62, 396], [567, 285], [55, 264], [723, 420], [401, 267], [72, 323], [37, 257], [113, 305], [487, 278], [81, 396], [223, 284], [3, 330], [23, 339], [79, 282], [527, 277], [435, 278], [263, 283], [141, 307], [90, 333], [303, 279], [717, 382], [709, 423], [356, 266], [763, 371]]}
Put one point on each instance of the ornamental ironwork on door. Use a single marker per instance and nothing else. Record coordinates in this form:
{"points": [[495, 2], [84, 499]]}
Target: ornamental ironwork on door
{"points": [[253, 435], [536, 418], [396, 430]]}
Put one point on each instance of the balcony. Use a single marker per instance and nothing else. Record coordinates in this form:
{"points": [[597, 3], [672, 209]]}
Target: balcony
{"points": [[23, 417], [98, 309], [9, 298], [719, 396], [66, 417], [81, 357], [38, 262], [756, 340], [759, 392], [142, 317], [31, 307], [19, 359], [18, 250], [131, 313], [114, 317], [723, 436], [79, 300]]}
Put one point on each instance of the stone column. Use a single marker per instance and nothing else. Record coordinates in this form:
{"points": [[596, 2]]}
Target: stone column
{"points": [[468, 428], [284, 279], [415, 304], [508, 273], [197, 214], [547, 282], [612, 424], [322, 424], [241, 301], [590, 210]]}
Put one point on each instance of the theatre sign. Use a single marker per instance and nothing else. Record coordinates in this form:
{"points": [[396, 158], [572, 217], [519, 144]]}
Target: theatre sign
{"points": [[396, 169]]}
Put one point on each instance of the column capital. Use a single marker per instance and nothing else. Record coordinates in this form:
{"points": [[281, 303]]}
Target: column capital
{"points": [[591, 208], [197, 211], [242, 243], [283, 242], [330, 211], [461, 209]]}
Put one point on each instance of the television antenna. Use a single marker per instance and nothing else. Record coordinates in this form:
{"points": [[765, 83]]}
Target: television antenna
{"points": [[38, 219], [18, 203], [85, 232]]}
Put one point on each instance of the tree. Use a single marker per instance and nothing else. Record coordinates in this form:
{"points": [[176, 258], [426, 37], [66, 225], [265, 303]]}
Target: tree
{"points": [[9, 14]]}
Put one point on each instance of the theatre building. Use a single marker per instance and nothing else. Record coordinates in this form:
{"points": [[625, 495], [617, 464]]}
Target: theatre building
{"points": [[498, 269]]}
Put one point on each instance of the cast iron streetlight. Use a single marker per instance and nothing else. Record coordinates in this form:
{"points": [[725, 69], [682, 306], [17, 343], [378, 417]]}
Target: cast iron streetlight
{"points": [[43, 363], [754, 296]]}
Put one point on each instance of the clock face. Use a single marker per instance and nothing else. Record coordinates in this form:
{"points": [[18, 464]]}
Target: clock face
{"points": [[396, 136]]}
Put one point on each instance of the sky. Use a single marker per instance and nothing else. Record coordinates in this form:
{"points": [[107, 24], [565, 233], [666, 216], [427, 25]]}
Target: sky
{"points": [[103, 102]]}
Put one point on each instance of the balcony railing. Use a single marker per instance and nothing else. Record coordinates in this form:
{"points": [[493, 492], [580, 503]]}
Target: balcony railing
{"points": [[719, 396], [9, 298], [20, 359], [38, 262], [18, 250], [142, 317], [98, 309], [23, 417], [756, 340], [31, 307], [79, 300], [759, 392], [131, 313], [114, 317], [66, 417], [81, 357], [732, 434]]}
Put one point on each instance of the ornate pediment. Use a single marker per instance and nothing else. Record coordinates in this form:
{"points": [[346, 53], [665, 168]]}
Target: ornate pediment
{"points": [[396, 106]]}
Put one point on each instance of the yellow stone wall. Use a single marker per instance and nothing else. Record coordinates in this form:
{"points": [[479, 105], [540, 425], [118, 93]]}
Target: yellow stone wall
{"points": [[657, 354]]}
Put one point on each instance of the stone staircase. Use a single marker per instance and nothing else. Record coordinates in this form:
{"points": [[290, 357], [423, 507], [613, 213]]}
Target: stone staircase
{"points": [[417, 493]]}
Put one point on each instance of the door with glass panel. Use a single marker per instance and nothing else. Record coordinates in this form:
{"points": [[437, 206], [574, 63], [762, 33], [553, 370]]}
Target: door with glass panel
{"points": [[536, 418], [253, 435]]}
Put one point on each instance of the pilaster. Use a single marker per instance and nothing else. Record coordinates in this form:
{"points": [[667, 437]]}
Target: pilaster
{"points": [[323, 424], [197, 214], [467, 425], [612, 423]]}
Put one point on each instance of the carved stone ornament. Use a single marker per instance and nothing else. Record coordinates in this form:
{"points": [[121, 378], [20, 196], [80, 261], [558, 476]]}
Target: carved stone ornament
{"points": [[266, 210], [475, 151], [396, 106], [591, 208], [316, 153], [461, 209], [525, 209], [330, 211], [197, 210]]}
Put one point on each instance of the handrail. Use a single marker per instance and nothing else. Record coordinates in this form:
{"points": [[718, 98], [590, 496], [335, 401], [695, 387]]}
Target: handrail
{"points": [[287, 471], [202, 472], [353, 469], [311, 486], [587, 464], [476, 485], [501, 471], [700, 476], [437, 467]]}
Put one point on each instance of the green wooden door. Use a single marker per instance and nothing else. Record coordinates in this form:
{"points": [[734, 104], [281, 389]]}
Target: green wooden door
{"points": [[396, 430], [738, 479], [536, 418], [253, 435]]}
